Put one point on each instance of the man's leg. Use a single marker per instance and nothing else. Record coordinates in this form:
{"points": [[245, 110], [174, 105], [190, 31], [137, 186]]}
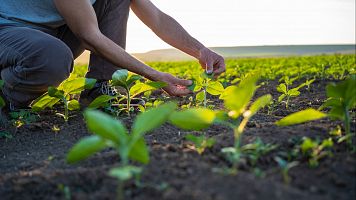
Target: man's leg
{"points": [[30, 61]]}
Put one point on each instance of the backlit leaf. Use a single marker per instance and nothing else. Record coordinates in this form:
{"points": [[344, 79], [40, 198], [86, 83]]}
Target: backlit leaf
{"points": [[85, 148], [301, 117], [119, 78], [215, 88], [193, 119]]}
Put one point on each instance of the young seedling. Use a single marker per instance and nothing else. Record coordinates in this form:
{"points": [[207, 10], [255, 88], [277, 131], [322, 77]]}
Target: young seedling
{"points": [[316, 150], [288, 93], [308, 83], [236, 101], [341, 99], [111, 133], [200, 142], [23, 116], [285, 166], [63, 93], [256, 150], [204, 84], [132, 86]]}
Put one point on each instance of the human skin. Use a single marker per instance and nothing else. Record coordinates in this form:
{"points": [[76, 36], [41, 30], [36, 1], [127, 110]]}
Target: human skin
{"points": [[84, 25]]}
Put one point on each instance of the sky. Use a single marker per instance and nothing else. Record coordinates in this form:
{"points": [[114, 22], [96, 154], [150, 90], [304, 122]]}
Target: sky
{"points": [[252, 23]]}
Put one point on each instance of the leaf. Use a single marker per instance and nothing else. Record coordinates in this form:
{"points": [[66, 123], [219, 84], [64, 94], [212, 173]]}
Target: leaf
{"points": [[77, 85], [2, 102], [200, 96], [193, 119], [308, 144], [215, 88], [101, 101], [73, 105], [126, 172], [239, 96], [139, 151], [152, 119], [259, 103], [139, 88], [85, 148], [54, 92], [132, 78], [282, 88], [106, 126], [119, 78], [301, 117], [294, 92], [280, 98], [43, 102]]}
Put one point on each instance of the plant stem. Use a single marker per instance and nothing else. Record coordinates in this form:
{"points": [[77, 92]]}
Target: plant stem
{"points": [[128, 101], [66, 114], [205, 101]]}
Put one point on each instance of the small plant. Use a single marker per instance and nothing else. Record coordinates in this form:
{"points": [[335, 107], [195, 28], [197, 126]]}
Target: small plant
{"points": [[287, 93], [111, 133], [308, 83], [285, 166], [200, 142], [236, 101], [255, 150], [132, 86], [63, 93], [204, 84], [23, 116], [316, 150], [341, 99]]}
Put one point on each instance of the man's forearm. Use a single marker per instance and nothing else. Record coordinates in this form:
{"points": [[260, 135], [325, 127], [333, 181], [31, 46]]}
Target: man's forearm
{"points": [[105, 47]]}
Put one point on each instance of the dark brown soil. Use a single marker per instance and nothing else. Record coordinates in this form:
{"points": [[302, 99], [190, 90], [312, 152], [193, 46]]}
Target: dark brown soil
{"points": [[33, 166]]}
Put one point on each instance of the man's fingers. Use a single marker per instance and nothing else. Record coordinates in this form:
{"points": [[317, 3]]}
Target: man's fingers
{"points": [[184, 82], [209, 67]]}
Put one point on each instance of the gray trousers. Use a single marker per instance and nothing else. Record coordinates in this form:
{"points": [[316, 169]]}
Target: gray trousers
{"points": [[33, 59]]}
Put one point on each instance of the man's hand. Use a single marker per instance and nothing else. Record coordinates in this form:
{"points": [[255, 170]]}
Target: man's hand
{"points": [[211, 62], [176, 86]]}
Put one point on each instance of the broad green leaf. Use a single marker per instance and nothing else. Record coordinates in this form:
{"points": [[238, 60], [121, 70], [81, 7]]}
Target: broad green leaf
{"points": [[215, 88], [152, 119], [77, 85], [258, 104], [126, 172], [54, 92], [73, 105], [239, 97], [301, 117], [132, 78], [139, 152], [280, 98], [282, 88], [193, 119], [43, 102], [294, 92], [200, 96], [106, 126], [101, 101], [139, 88], [119, 78], [227, 91], [85, 148]]}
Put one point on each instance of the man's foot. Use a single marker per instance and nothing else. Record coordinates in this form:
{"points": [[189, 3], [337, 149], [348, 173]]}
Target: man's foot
{"points": [[104, 88]]}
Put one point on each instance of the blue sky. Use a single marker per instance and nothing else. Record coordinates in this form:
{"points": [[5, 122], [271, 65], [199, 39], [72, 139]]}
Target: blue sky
{"points": [[252, 22]]}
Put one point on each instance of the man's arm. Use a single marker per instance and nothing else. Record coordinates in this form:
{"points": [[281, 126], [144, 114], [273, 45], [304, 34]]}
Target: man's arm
{"points": [[81, 19], [170, 31]]}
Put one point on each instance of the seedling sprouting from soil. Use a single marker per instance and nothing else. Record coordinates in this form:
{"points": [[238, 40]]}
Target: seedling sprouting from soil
{"points": [[316, 150], [63, 93], [111, 133], [285, 166], [256, 150], [200, 142], [341, 99], [204, 84], [287, 93]]}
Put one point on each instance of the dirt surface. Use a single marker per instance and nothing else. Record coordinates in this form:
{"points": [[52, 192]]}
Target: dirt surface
{"points": [[33, 166]]}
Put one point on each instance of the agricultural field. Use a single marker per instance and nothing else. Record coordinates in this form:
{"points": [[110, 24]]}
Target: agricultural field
{"points": [[269, 128]]}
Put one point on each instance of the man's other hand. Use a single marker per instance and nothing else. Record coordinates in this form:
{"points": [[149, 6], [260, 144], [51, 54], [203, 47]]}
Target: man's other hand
{"points": [[176, 86], [211, 62]]}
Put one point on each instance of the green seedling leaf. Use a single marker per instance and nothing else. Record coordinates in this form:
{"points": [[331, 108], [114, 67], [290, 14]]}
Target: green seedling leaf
{"points": [[101, 101], [282, 88], [119, 78], [301, 117], [43, 102], [258, 104], [139, 88], [73, 105], [54, 92], [151, 119], [77, 85], [280, 98], [106, 126], [193, 119], [294, 92], [132, 78], [200, 142], [308, 144], [85, 148], [215, 88], [139, 152], [126, 172], [200, 96]]}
